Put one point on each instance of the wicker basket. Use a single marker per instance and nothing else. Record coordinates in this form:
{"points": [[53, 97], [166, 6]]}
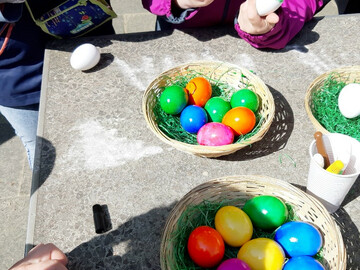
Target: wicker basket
{"points": [[243, 188], [346, 74], [233, 76]]}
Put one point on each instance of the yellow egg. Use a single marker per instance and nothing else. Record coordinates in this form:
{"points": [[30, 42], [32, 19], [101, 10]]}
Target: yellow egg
{"points": [[234, 225], [262, 254]]}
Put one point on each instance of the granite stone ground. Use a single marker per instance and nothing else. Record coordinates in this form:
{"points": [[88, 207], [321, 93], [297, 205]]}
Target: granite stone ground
{"points": [[15, 175]]}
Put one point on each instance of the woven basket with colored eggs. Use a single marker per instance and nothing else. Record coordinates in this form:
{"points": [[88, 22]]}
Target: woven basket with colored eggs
{"points": [[332, 102], [179, 126], [264, 239]]}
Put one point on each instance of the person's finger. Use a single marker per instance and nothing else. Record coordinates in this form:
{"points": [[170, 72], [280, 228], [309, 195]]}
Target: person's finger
{"points": [[43, 252], [251, 11], [272, 18]]}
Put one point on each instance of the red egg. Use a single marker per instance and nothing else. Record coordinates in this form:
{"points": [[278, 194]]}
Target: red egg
{"points": [[206, 247]]}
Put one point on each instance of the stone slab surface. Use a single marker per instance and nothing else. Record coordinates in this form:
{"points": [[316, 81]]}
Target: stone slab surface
{"points": [[15, 175], [97, 148]]}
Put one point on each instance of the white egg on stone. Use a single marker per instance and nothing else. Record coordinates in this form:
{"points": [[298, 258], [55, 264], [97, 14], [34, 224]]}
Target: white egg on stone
{"points": [[85, 57], [265, 7], [349, 100]]}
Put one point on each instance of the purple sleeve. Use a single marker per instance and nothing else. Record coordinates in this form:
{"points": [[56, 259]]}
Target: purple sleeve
{"points": [[293, 14], [158, 7], [163, 8]]}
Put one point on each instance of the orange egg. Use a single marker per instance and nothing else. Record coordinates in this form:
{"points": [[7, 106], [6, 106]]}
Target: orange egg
{"points": [[199, 90], [241, 119]]}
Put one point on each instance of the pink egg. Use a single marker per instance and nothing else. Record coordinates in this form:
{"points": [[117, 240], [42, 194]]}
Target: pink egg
{"points": [[215, 134], [233, 264]]}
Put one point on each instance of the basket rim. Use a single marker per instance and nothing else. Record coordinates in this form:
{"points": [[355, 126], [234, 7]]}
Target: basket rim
{"points": [[254, 179], [211, 151], [311, 89]]}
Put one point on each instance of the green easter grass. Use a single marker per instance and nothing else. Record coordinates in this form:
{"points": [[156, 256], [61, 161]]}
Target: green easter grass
{"points": [[326, 111], [204, 215], [170, 124]]}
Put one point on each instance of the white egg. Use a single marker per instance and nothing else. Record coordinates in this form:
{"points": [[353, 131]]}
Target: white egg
{"points": [[265, 7], [319, 160], [84, 57], [349, 100]]}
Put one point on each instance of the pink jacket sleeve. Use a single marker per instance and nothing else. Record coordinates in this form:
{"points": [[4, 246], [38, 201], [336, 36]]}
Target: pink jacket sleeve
{"points": [[160, 8], [292, 14]]}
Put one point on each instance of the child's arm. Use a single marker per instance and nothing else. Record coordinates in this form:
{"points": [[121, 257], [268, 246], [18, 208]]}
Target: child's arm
{"points": [[265, 32]]}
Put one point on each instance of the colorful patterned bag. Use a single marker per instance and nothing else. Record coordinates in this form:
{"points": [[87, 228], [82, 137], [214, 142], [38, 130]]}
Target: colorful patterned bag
{"points": [[73, 18]]}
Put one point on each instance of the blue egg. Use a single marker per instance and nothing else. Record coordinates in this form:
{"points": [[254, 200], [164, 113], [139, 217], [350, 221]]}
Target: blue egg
{"points": [[192, 118], [303, 263], [299, 238]]}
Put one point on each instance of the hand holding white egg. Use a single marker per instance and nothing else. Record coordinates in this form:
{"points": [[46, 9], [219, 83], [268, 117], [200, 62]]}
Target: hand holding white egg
{"points": [[349, 100], [265, 7], [85, 57], [251, 22]]}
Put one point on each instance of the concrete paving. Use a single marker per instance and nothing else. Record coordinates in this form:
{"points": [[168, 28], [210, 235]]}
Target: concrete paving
{"points": [[15, 175]]}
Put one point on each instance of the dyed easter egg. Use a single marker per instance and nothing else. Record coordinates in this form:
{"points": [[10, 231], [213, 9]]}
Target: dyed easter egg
{"points": [[266, 212], [233, 264], [215, 134], [241, 119], [173, 99], [84, 57], [217, 107], [199, 90], [192, 118], [234, 225], [299, 238], [245, 98], [262, 254], [303, 262], [348, 100], [206, 247]]}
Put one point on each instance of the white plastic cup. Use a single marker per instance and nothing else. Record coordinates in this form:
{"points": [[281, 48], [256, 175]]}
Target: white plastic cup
{"points": [[327, 187]]}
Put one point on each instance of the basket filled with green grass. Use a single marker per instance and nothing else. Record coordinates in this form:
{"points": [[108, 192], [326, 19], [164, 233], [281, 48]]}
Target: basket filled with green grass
{"points": [[208, 109], [256, 221], [330, 107]]}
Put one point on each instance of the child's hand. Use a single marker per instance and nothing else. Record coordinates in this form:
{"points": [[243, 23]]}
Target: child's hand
{"points": [[250, 21], [42, 257], [185, 4]]}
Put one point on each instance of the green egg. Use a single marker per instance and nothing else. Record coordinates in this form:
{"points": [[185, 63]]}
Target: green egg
{"points": [[173, 99], [217, 107], [266, 212], [245, 98]]}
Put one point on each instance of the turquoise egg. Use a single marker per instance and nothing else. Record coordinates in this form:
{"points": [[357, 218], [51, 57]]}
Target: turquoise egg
{"points": [[192, 118], [299, 238], [303, 262]]}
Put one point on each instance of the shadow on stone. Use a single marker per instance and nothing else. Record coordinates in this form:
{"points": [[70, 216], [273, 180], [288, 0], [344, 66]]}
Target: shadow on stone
{"points": [[353, 193], [142, 235], [351, 237], [45, 156], [7, 132], [276, 137]]}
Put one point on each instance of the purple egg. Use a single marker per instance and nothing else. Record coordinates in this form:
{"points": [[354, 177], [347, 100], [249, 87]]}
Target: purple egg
{"points": [[215, 134], [233, 264]]}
